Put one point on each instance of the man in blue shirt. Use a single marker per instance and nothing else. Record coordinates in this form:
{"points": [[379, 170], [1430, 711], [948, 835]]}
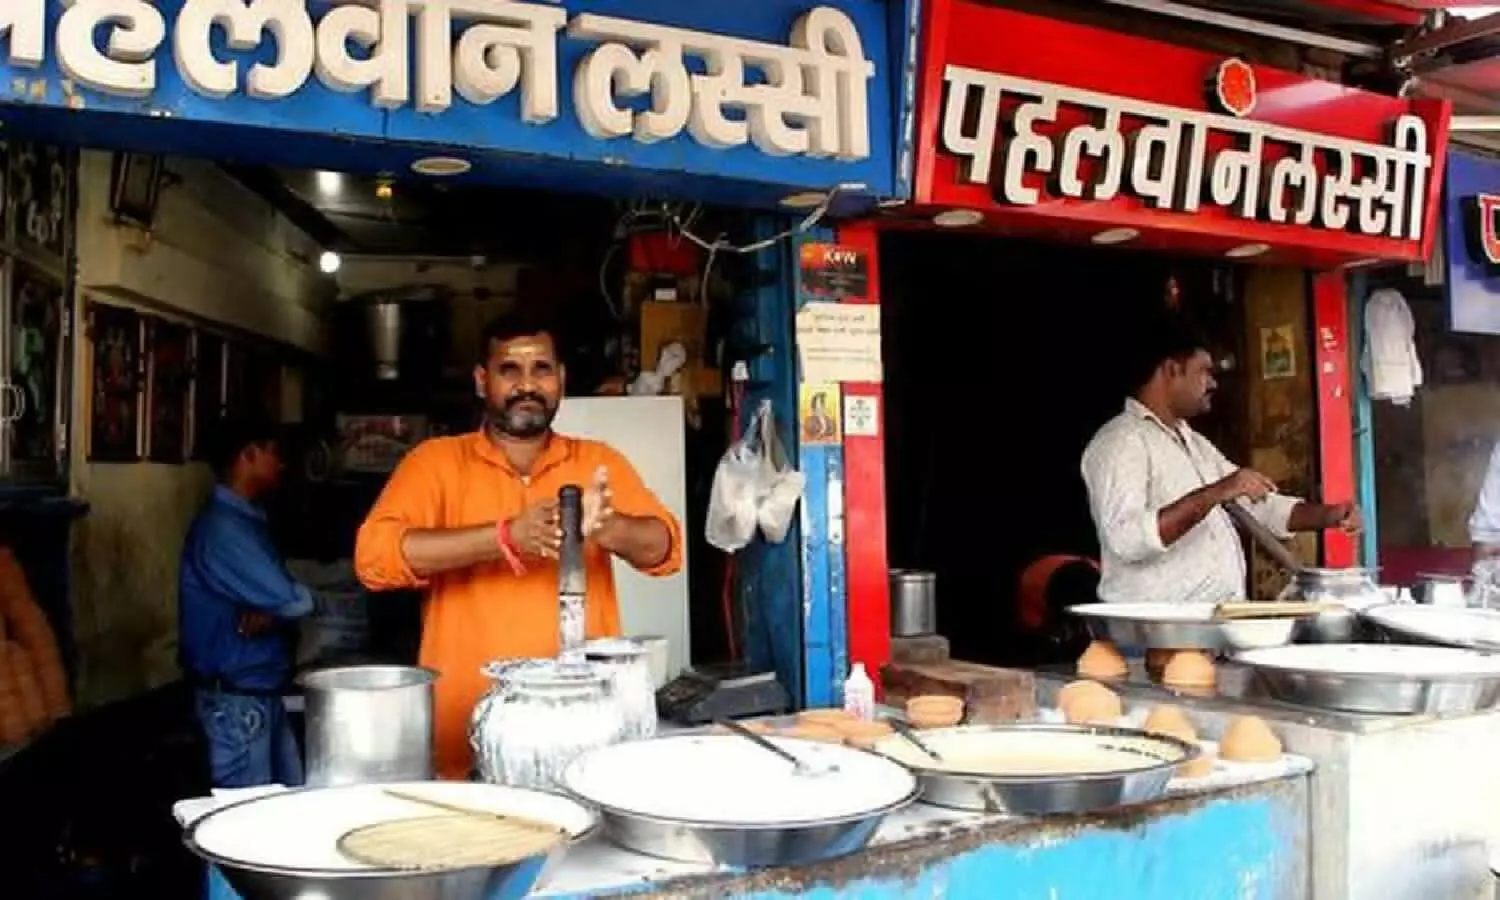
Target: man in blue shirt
{"points": [[235, 603]]}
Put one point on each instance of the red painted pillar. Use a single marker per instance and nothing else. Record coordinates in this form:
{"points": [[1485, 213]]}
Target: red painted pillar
{"points": [[866, 568], [1332, 385]]}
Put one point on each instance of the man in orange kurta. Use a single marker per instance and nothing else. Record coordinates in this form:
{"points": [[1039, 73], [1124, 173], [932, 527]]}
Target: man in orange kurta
{"points": [[473, 521]]}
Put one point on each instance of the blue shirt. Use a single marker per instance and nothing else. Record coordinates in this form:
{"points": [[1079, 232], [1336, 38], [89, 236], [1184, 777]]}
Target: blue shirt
{"points": [[229, 566]]}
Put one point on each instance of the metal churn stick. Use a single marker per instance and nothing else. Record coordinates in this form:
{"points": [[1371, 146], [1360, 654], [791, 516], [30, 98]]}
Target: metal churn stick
{"points": [[571, 580]]}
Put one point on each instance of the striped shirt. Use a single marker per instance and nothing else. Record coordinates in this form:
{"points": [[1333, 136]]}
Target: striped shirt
{"points": [[1136, 466]]}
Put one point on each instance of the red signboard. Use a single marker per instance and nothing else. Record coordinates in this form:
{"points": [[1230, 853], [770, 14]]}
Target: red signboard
{"points": [[1047, 126]]}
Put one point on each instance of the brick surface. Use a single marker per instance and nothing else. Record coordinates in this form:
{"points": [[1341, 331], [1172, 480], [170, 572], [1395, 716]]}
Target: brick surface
{"points": [[990, 694], [927, 648]]}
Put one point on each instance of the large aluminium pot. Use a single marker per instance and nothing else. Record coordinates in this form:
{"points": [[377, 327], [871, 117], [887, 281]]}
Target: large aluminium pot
{"points": [[368, 724]]}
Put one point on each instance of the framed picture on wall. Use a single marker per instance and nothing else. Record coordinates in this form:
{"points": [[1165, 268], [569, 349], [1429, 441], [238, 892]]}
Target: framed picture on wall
{"points": [[168, 379], [114, 336], [208, 390]]}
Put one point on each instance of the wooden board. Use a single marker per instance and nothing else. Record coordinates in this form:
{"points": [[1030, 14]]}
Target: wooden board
{"points": [[990, 694]]}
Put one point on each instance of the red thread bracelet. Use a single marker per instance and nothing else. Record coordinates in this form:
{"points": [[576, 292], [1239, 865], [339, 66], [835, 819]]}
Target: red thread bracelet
{"points": [[508, 549]]}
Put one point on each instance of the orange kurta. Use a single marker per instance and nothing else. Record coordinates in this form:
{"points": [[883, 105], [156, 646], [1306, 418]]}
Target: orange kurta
{"points": [[487, 612]]}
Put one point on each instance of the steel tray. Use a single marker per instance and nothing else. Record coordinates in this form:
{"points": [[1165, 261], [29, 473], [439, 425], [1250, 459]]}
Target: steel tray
{"points": [[1404, 690], [1041, 795], [1438, 626], [1154, 626]]}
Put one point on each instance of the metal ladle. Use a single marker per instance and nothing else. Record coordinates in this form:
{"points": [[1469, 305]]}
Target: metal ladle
{"points": [[1263, 536], [910, 736], [801, 766]]}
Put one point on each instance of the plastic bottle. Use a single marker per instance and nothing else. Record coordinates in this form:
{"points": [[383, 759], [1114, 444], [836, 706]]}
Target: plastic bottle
{"points": [[859, 694]]}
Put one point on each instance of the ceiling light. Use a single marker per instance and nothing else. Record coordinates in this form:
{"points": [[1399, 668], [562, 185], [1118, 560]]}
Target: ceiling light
{"points": [[958, 218], [1244, 251], [442, 166], [804, 200], [329, 262], [1116, 236], [329, 183]]}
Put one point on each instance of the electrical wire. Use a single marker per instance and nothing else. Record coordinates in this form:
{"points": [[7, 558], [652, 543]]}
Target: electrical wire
{"points": [[719, 244]]}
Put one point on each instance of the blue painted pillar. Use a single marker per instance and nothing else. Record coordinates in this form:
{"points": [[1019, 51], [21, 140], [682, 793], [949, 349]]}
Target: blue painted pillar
{"points": [[1364, 421], [769, 586], [794, 593], [825, 624]]}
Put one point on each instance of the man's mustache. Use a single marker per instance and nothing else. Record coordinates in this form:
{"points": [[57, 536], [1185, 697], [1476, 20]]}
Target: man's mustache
{"points": [[528, 397]]}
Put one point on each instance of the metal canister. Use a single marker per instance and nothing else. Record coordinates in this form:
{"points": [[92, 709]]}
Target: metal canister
{"points": [[368, 724], [572, 582], [913, 602]]}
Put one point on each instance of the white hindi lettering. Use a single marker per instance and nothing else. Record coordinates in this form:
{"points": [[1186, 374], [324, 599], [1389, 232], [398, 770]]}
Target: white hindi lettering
{"points": [[382, 30], [244, 26], [974, 147], [1164, 158], [23, 26], [613, 68], [1102, 142], [813, 98], [782, 116], [505, 45], [126, 63]]}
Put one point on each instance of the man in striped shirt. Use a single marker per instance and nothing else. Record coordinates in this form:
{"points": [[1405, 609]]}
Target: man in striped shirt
{"points": [[1157, 488]]}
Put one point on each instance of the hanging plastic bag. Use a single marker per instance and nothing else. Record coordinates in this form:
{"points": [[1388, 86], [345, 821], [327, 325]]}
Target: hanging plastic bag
{"points": [[733, 503], [779, 485]]}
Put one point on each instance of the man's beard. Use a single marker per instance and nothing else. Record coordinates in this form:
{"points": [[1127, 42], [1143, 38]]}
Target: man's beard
{"points": [[514, 420]]}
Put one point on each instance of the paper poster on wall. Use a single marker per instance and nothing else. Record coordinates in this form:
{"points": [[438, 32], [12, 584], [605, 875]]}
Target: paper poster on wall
{"points": [[839, 342], [1278, 353], [861, 416], [819, 414], [833, 272]]}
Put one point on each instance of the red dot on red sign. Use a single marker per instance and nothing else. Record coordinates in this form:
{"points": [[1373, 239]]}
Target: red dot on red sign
{"points": [[1235, 87]]}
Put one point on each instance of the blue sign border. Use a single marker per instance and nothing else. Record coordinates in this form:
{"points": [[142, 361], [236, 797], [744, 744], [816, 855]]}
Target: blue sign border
{"points": [[1472, 287], [303, 128]]}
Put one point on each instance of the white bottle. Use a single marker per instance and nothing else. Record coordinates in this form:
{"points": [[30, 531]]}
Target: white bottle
{"points": [[859, 694]]}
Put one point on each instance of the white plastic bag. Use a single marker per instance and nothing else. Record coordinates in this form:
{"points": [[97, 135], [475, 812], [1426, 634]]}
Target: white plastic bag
{"points": [[779, 485], [754, 486], [732, 503]]}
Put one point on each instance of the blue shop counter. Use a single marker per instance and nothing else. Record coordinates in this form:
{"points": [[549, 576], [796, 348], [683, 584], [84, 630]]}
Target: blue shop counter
{"points": [[1243, 838]]}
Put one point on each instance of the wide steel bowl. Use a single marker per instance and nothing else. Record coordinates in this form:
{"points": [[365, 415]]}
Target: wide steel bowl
{"points": [[1153, 626], [1059, 793], [265, 882], [501, 883], [1376, 693], [1437, 626], [744, 846]]}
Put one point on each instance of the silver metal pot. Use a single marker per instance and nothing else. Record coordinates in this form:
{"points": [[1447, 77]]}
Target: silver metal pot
{"points": [[1442, 590], [913, 602], [368, 724], [1351, 589]]}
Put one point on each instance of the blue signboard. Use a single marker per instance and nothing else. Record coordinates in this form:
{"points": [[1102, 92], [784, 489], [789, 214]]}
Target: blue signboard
{"points": [[1471, 216], [796, 94]]}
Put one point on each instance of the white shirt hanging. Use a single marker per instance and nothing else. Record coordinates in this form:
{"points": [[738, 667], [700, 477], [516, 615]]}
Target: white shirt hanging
{"points": [[1484, 523], [1390, 355]]}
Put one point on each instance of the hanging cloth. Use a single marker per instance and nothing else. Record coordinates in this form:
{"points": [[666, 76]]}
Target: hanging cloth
{"points": [[1390, 354]]}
